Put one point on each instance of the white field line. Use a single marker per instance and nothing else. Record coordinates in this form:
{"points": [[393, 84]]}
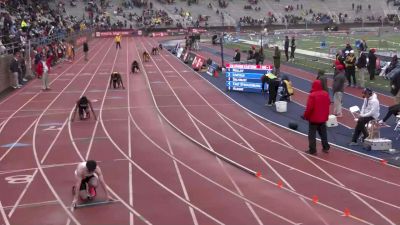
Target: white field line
{"points": [[81, 157], [39, 165], [34, 96], [183, 186], [3, 214], [188, 167], [22, 194], [256, 217]]}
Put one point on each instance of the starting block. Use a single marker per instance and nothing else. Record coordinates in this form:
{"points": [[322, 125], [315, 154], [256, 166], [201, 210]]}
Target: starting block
{"points": [[94, 202]]}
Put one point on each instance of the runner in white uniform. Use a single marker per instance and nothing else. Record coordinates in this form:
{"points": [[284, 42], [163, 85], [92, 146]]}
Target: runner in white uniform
{"points": [[88, 175]]}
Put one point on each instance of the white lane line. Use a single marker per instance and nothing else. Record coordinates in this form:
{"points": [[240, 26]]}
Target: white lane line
{"points": [[188, 167], [3, 214], [130, 173], [51, 74], [34, 96], [53, 142], [72, 217], [272, 168], [30, 205], [36, 120], [257, 218], [22, 194], [19, 138], [81, 157], [204, 100], [215, 109], [39, 165], [326, 173], [183, 186], [101, 108], [295, 169]]}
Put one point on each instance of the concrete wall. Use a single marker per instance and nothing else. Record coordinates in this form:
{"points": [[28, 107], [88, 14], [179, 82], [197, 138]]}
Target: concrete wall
{"points": [[5, 71]]}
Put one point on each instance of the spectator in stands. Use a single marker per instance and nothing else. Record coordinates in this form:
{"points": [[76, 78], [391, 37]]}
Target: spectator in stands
{"points": [[15, 70], [277, 61], [286, 46], [369, 111], [236, 58], [371, 64], [316, 113], [362, 65], [338, 89], [86, 50], [292, 48], [350, 68]]}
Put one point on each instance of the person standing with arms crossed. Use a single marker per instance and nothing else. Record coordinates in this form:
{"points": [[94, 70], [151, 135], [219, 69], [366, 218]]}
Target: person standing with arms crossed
{"points": [[317, 113]]}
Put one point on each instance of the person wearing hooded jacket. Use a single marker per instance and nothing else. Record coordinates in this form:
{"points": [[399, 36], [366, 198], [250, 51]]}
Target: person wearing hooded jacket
{"points": [[369, 111], [371, 64], [317, 113]]}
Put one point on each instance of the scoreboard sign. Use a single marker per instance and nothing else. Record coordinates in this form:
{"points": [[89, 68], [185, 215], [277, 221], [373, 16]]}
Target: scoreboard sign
{"points": [[245, 78]]}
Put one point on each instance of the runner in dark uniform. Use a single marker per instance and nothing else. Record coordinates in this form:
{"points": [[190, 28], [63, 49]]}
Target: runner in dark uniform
{"points": [[116, 80], [135, 66], [82, 105]]}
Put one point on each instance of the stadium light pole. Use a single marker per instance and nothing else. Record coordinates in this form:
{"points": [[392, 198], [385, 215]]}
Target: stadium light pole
{"points": [[222, 40]]}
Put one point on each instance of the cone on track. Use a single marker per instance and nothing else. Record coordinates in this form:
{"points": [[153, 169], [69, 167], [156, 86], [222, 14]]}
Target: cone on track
{"points": [[258, 174], [383, 161], [315, 199], [346, 212], [280, 184]]}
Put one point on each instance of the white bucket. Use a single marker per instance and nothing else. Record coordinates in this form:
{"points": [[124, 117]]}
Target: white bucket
{"points": [[281, 106]]}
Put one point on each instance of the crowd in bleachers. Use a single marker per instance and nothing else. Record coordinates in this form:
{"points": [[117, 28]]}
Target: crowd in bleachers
{"points": [[24, 21]]}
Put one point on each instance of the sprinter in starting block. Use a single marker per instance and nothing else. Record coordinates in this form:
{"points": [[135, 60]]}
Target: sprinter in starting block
{"points": [[116, 80], [88, 176], [82, 106]]}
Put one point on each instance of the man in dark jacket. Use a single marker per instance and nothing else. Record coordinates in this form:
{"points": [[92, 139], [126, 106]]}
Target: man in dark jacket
{"points": [[86, 50], [277, 61], [236, 58], [287, 48], [15, 70], [338, 88], [324, 81], [292, 48], [362, 65], [371, 64], [317, 113], [395, 85]]}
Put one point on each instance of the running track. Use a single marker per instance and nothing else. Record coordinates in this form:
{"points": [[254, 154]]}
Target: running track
{"points": [[174, 150]]}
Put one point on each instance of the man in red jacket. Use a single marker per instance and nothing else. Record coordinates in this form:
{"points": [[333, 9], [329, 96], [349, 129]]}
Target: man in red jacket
{"points": [[317, 113]]}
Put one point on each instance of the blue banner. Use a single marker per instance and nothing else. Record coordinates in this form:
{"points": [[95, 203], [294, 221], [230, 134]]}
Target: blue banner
{"points": [[245, 78]]}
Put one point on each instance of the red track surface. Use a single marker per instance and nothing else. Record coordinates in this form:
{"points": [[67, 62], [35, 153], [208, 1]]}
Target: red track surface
{"points": [[157, 141]]}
